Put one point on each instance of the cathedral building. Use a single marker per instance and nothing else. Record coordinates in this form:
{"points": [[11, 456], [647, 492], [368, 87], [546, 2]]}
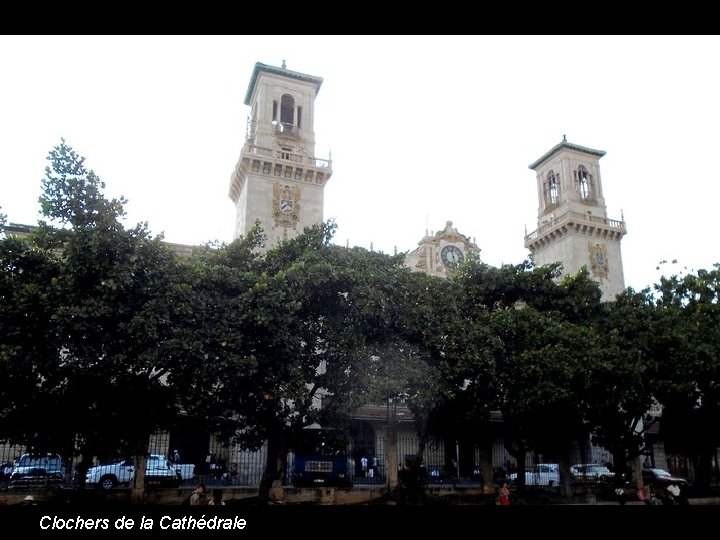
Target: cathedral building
{"points": [[279, 182]]}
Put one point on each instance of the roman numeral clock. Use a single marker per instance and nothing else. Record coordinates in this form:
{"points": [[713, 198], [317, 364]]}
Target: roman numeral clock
{"points": [[451, 256], [440, 254]]}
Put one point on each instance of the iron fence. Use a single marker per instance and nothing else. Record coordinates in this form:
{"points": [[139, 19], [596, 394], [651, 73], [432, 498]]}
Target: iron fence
{"points": [[216, 464]]}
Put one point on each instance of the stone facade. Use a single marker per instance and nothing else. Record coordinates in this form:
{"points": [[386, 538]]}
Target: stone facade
{"points": [[278, 181], [439, 254], [573, 226]]}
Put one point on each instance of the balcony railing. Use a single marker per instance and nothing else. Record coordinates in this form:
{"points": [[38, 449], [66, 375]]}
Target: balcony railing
{"points": [[576, 217], [286, 156]]}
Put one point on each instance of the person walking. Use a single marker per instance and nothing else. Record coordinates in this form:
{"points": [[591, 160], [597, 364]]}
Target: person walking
{"points": [[199, 496], [504, 495]]}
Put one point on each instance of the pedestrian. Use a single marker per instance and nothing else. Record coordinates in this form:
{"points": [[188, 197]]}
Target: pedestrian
{"points": [[649, 496], [504, 495], [620, 495], [199, 496], [364, 465], [217, 498], [676, 495]]}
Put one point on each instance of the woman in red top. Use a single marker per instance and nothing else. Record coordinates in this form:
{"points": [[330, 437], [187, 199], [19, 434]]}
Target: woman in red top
{"points": [[504, 495]]}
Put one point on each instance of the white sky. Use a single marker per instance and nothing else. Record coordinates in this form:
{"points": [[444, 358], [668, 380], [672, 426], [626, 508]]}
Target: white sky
{"points": [[422, 130]]}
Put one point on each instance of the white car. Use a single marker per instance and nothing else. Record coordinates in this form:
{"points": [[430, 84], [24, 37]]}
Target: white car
{"points": [[591, 473], [158, 471], [542, 474]]}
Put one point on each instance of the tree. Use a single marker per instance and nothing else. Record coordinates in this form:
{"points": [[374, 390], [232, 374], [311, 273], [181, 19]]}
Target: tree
{"points": [[529, 348], [290, 323], [688, 355], [31, 411], [109, 310], [618, 382]]}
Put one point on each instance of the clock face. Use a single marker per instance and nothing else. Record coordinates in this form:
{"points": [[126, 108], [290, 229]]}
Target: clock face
{"points": [[451, 256]]}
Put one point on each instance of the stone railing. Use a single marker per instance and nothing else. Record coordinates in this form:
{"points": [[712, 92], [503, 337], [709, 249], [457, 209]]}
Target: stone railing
{"points": [[279, 154], [553, 221]]}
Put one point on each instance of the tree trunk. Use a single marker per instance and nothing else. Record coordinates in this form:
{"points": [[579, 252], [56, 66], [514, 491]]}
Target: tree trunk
{"points": [[81, 471], [566, 479], [520, 468], [271, 487], [486, 465], [391, 450], [703, 467], [620, 466], [137, 486]]}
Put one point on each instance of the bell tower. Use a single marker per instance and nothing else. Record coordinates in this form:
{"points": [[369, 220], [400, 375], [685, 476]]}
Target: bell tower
{"points": [[278, 180], [573, 226]]}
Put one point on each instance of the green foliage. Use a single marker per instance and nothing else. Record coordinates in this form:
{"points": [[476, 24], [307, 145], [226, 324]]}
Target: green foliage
{"points": [[32, 378], [618, 390], [73, 194], [86, 323], [688, 365], [107, 335]]}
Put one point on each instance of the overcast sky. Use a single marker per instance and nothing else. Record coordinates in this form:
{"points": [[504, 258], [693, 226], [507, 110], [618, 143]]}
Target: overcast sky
{"points": [[421, 129]]}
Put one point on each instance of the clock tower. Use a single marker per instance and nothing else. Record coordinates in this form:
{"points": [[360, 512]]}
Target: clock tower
{"points": [[573, 226], [441, 253], [278, 180]]}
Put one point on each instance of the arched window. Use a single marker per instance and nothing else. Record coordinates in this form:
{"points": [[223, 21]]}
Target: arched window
{"points": [[584, 183], [552, 188], [287, 109]]}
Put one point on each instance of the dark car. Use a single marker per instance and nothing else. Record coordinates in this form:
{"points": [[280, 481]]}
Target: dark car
{"points": [[660, 478], [51, 465], [5, 470], [36, 477]]}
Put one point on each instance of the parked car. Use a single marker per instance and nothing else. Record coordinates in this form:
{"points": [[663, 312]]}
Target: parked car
{"points": [[36, 477], [542, 474], [42, 469], [6, 470], [158, 472], [591, 473], [660, 478]]}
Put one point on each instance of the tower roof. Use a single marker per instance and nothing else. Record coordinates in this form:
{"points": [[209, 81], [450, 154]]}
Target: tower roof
{"points": [[283, 72], [564, 144]]}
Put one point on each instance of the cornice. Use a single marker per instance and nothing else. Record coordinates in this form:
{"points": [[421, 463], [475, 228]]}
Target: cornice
{"points": [[564, 144], [282, 72]]}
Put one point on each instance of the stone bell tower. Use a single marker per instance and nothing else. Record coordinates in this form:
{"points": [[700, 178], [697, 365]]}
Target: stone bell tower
{"points": [[573, 226], [278, 180]]}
